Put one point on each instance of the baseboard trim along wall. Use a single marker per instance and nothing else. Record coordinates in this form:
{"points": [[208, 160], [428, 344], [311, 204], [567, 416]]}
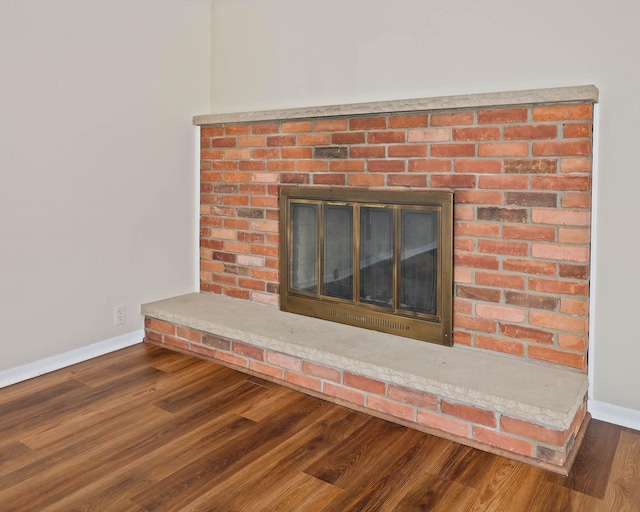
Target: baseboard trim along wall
{"points": [[50, 364], [615, 414]]}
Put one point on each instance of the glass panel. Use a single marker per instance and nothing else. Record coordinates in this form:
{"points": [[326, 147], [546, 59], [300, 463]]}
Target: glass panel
{"points": [[338, 251], [419, 261], [304, 247], [376, 256]]}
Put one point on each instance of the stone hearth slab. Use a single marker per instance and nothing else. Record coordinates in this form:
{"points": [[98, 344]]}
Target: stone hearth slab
{"points": [[533, 392]]}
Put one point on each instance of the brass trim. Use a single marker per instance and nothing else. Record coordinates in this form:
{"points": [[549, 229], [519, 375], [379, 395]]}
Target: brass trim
{"points": [[411, 324], [356, 254], [396, 260]]}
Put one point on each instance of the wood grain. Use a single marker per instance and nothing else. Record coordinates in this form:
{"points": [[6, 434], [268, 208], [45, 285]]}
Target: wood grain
{"points": [[623, 490], [600, 443], [147, 429]]}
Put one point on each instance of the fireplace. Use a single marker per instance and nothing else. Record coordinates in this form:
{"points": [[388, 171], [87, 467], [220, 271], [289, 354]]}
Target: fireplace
{"points": [[518, 166], [378, 260]]}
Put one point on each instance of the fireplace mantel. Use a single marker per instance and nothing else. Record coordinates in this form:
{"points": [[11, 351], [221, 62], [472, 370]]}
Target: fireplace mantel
{"points": [[572, 94]]}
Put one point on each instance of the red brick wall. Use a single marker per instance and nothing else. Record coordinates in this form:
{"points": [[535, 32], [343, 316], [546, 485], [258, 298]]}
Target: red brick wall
{"points": [[521, 178]]}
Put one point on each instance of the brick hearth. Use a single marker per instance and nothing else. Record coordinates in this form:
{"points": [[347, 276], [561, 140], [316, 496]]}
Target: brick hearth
{"points": [[503, 405]]}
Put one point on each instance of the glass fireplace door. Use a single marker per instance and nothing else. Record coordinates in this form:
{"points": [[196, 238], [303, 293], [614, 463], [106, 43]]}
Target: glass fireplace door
{"points": [[304, 247], [338, 251], [380, 260], [418, 261], [376, 256]]}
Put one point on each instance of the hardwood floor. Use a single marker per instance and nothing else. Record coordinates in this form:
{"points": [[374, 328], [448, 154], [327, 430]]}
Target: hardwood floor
{"points": [[147, 429]]}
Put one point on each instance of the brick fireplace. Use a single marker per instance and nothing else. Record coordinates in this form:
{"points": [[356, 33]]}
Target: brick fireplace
{"points": [[519, 165]]}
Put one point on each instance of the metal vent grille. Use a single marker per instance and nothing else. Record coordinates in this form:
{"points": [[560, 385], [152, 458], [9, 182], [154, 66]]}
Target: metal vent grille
{"points": [[360, 318]]}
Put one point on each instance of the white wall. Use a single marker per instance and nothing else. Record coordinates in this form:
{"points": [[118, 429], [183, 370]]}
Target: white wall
{"points": [[288, 53], [97, 163]]}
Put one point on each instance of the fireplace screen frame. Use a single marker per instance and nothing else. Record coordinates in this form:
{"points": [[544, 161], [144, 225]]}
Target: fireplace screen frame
{"points": [[435, 328]]}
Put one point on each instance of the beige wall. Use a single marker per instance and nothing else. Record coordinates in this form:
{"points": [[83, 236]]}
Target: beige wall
{"points": [[287, 53], [97, 159]]}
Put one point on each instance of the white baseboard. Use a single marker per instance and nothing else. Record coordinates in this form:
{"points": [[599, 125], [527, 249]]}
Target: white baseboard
{"points": [[50, 364], [615, 414]]}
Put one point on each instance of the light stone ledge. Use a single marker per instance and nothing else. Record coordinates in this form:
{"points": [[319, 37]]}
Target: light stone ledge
{"points": [[573, 94], [534, 392]]}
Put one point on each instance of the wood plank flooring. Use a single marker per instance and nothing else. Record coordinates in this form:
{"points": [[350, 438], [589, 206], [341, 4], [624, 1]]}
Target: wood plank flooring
{"points": [[147, 429]]}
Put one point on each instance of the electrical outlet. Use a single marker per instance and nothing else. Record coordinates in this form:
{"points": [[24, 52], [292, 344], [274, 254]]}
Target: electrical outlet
{"points": [[120, 314]]}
